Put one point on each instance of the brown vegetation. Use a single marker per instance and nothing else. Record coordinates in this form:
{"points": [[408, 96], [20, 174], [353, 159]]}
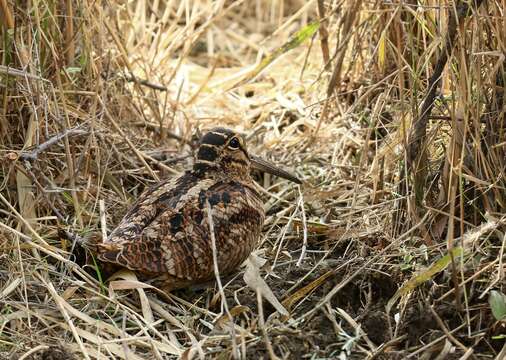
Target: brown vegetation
{"points": [[393, 113]]}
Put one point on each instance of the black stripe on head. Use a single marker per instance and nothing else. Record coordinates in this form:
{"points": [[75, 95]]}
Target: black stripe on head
{"points": [[217, 136], [207, 152]]}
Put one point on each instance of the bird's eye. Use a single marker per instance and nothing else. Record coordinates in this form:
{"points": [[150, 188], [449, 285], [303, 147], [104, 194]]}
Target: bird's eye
{"points": [[234, 144]]}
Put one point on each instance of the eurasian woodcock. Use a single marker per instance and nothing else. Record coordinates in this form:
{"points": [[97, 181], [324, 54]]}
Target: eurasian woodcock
{"points": [[166, 237]]}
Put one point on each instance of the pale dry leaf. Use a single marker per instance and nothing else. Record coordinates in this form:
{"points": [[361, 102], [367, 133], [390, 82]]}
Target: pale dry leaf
{"points": [[131, 280], [253, 279]]}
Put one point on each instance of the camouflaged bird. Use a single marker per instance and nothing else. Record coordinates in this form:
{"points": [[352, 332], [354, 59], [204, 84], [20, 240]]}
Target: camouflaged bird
{"points": [[165, 236]]}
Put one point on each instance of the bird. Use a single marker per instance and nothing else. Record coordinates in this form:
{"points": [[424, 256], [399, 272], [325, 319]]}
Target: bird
{"points": [[166, 234]]}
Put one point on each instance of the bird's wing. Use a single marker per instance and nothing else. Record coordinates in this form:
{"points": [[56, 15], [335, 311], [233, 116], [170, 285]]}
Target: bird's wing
{"points": [[187, 249], [135, 242], [162, 197], [177, 241]]}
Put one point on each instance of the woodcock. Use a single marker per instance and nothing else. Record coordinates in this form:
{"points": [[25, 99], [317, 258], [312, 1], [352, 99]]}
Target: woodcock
{"points": [[166, 235]]}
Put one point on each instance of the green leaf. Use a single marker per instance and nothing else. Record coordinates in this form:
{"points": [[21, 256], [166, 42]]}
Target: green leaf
{"points": [[67, 197], [424, 276], [99, 275], [497, 302], [73, 70]]}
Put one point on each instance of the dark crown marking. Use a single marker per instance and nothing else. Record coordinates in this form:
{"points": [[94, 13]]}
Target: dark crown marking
{"points": [[216, 136]]}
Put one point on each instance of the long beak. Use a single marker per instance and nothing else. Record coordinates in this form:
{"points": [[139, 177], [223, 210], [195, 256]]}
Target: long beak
{"points": [[262, 165]]}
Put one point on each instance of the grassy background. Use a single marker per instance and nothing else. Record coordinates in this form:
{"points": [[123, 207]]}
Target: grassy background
{"points": [[394, 246]]}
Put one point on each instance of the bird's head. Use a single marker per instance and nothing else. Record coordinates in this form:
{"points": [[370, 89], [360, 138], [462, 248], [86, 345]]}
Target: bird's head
{"points": [[223, 152]]}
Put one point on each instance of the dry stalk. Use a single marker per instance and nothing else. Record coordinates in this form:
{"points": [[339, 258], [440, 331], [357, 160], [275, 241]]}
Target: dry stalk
{"points": [[235, 350]]}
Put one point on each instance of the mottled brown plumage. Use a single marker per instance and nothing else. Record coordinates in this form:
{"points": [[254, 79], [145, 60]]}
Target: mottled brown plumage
{"points": [[165, 236]]}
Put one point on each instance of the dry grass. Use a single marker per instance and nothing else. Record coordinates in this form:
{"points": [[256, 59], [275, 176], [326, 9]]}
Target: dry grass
{"points": [[378, 255]]}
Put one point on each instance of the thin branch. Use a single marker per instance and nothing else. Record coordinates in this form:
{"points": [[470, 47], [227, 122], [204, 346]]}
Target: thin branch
{"points": [[33, 155], [131, 78]]}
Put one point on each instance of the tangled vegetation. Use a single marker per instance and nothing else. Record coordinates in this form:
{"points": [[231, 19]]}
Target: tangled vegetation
{"points": [[393, 114]]}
